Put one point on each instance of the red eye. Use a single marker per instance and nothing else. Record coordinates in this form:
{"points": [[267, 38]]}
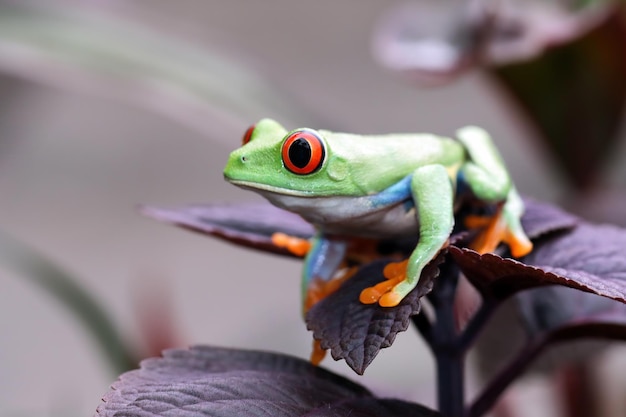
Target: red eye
{"points": [[248, 135], [303, 152]]}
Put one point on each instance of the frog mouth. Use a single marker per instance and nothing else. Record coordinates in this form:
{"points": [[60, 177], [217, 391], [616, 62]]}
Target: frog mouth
{"points": [[255, 186]]}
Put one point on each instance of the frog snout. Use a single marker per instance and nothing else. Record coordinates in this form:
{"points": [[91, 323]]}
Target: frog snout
{"points": [[237, 161]]}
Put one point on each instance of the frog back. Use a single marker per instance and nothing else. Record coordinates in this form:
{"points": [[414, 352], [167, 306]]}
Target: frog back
{"points": [[372, 163]]}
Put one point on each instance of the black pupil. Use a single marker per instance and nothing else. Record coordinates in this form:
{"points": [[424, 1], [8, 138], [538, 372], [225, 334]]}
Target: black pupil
{"points": [[300, 152]]}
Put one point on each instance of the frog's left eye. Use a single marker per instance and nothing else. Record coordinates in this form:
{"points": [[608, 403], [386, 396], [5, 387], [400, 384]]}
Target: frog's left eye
{"points": [[303, 152], [248, 135]]}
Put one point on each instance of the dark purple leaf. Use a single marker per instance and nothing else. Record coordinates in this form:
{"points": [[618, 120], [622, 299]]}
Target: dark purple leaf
{"points": [[372, 407], [251, 225], [541, 219], [356, 332], [592, 255], [211, 381], [590, 258]]}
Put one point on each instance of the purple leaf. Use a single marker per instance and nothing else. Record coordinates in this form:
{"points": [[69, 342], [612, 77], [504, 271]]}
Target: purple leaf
{"points": [[356, 332], [250, 225], [436, 43], [554, 308], [589, 258], [593, 256], [226, 382], [585, 90], [541, 219]]}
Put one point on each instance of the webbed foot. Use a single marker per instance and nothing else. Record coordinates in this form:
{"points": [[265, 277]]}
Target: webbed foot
{"points": [[496, 229], [320, 289], [386, 293]]}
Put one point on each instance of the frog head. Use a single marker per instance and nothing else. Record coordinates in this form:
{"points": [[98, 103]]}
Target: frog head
{"points": [[297, 162]]}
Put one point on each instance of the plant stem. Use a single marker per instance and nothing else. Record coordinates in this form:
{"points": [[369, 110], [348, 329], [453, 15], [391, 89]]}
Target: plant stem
{"points": [[477, 323], [508, 374], [445, 344], [450, 383]]}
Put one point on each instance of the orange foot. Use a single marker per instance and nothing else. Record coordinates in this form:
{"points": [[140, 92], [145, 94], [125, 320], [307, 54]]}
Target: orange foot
{"points": [[382, 293], [495, 230], [295, 245], [317, 354], [319, 289]]}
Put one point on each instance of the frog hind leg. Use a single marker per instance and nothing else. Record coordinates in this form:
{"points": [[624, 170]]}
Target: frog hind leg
{"points": [[433, 193], [487, 177], [319, 277], [323, 260]]}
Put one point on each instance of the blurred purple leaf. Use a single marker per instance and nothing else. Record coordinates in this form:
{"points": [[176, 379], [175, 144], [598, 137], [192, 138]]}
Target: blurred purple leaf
{"points": [[356, 332], [436, 42], [568, 325], [564, 68], [226, 382], [541, 219], [428, 40], [251, 225], [554, 308], [574, 95]]}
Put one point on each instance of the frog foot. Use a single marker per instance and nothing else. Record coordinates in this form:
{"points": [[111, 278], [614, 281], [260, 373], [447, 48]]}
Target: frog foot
{"points": [[317, 353], [294, 245], [495, 230], [384, 292], [319, 289]]}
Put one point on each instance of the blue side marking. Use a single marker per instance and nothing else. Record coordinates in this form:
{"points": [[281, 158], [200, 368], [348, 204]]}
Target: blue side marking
{"points": [[398, 192]]}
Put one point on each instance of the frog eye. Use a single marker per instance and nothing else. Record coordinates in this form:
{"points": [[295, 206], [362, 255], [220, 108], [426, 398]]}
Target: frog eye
{"points": [[248, 135], [303, 152]]}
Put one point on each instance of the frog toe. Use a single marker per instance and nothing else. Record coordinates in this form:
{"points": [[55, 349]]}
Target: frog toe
{"points": [[519, 244], [295, 245], [390, 299], [496, 229], [388, 293], [372, 295]]}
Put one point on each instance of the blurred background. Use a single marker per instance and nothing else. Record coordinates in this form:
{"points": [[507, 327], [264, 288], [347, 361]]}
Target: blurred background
{"points": [[107, 105]]}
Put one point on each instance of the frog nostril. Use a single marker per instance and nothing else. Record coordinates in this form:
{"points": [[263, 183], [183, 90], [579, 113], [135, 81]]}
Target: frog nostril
{"points": [[244, 159]]}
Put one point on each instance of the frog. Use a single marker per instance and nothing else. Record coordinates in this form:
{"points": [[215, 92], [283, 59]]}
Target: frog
{"points": [[385, 186]]}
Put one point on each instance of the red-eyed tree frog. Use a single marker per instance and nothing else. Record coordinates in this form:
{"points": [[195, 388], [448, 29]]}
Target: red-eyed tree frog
{"points": [[379, 186]]}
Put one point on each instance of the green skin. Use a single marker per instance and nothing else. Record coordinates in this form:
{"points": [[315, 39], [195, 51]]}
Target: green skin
{"points": [[343, 197]]}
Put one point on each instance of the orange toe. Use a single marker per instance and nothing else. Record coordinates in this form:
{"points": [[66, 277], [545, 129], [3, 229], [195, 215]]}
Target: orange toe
{"points": [[394, 272], [489, 238], [390, 299], [520, 247], [295, 245], [317, 354]]}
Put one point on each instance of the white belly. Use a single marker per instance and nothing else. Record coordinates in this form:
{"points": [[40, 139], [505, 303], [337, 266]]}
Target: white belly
{"points": [[353, 216]]}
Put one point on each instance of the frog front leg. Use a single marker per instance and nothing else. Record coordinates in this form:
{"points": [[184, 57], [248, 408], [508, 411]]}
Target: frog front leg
{"points": [[433, 194], [489, 180]]}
